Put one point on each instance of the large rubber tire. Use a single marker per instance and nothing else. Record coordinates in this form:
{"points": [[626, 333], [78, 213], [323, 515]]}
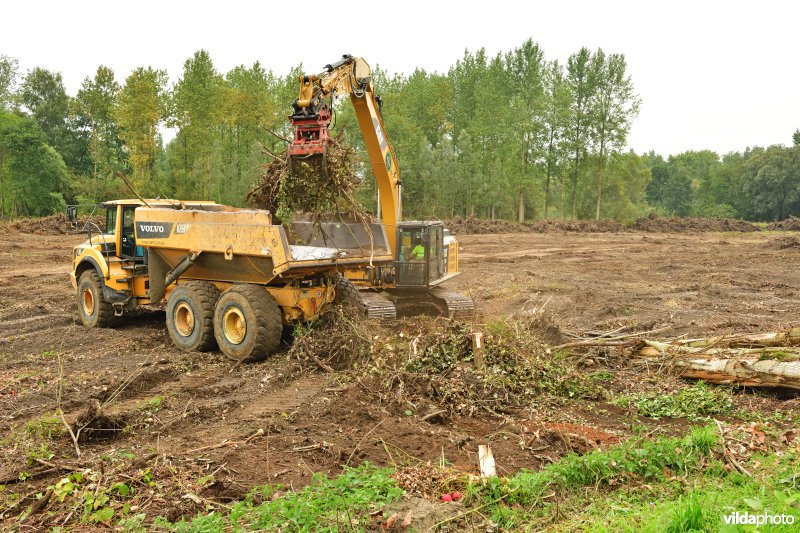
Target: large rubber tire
{"points": [[347, 295], [248, 323], [190, 316], [95, 311]]}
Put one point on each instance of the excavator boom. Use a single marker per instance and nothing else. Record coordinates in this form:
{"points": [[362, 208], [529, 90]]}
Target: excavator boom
{"points": [[311, 119]]}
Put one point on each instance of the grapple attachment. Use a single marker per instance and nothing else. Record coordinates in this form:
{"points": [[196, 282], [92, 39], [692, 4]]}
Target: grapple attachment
{"points": [[311, 133]]}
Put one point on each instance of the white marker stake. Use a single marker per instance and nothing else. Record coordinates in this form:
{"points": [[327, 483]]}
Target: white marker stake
{"points": [[486, 460]]}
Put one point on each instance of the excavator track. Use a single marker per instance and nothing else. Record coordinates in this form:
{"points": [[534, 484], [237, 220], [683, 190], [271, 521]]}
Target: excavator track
{"points": [[379, 305], [437, 302], [456, 304]]}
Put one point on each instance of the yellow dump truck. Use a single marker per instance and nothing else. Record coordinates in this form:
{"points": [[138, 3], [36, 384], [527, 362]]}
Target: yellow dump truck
{"points": [[230, 277]]}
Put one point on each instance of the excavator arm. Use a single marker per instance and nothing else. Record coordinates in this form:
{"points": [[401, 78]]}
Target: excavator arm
{"points": [[311, 120]]}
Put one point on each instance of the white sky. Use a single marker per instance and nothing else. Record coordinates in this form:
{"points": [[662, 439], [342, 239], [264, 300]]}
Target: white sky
{"points": [[711, 74]]}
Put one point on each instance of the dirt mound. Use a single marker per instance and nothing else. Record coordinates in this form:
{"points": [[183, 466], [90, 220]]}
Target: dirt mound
{"points": [[790, 224], [783, 243], [654, 223], [50, 225], [472, 226]]}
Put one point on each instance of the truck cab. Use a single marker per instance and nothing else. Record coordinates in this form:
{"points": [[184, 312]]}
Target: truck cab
{"points": [[110, 252]]}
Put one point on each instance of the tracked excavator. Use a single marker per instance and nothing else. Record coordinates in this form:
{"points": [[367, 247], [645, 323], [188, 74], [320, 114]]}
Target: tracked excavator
{"points": [[408, 260]]}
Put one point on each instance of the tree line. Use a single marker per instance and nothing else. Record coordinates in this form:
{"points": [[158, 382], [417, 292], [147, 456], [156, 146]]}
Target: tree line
{"points": [[514, 135]]}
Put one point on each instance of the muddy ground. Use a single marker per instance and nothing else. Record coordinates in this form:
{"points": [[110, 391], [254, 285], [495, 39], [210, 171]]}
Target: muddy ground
{"points": [[273, 423]]}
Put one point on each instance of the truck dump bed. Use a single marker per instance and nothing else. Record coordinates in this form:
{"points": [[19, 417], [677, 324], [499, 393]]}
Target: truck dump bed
{"points": [[242, 245]]}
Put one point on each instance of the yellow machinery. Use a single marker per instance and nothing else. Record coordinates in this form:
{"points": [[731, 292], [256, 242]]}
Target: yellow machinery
{"points": [[230, 277], [406, 279], [233, 279]]}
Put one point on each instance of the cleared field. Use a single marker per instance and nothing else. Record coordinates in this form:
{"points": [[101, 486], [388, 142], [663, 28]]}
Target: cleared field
{"points": [[278, 421]]}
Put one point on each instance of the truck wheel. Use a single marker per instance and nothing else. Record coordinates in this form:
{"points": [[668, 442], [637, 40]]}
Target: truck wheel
{"points": [[248, 323], [95, 311], [347, 295], [190, 316]]}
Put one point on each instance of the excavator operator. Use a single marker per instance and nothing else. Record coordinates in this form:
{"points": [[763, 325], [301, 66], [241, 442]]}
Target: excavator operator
{"points": [[418, 253]]}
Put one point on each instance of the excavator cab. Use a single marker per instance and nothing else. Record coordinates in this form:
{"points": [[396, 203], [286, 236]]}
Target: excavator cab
{"points": [[421, 259]]}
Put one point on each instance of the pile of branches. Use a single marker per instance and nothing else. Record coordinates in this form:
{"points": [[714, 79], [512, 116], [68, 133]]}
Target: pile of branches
{"points": [[322, 185], [337, 340], [441, 371]]}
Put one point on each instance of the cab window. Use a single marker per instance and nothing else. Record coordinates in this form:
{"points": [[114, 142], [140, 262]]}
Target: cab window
{"points": [[111, 219]]}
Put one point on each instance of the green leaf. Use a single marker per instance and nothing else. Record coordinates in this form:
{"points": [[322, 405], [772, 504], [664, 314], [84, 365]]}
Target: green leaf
{"points": [[121, 488], [754, 504], [103, 515]]}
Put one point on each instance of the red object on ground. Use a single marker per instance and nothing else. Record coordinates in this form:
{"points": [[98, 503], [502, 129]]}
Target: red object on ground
{"points": [[447, 497], [456, 496]]}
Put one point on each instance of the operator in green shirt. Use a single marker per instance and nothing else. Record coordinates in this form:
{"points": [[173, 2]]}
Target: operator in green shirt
{"points": [[418, 253]]}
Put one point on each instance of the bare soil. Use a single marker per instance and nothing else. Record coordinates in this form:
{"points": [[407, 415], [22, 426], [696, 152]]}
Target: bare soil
{"points": [[272, 423]]}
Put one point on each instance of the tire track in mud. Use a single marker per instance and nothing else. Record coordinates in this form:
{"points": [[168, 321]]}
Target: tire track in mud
{"points": [[23, 327], [228, 417]]}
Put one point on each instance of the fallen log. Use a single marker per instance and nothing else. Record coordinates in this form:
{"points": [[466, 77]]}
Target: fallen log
{"points": [[790, 337], [745, 372], [717, 360]]}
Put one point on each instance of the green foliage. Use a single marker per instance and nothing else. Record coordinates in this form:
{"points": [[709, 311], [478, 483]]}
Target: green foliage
{"points": [[342, 503], [45, 427], [512, 135], [95, 107], [9, 71], [152, 405], [687, 517], [43, 453], [516, 370], [773, 182], [697, 401], [33, 176], [100, 502], [511, 501], [43, 94], [141, 108], [719, 211], [698, 503]]}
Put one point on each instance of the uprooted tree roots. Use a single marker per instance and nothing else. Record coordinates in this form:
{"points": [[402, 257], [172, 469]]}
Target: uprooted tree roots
{"points": [[314, 184]]}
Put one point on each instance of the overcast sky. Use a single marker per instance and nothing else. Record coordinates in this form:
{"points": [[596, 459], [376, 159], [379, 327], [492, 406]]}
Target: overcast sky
{"points": [[711, 74]]}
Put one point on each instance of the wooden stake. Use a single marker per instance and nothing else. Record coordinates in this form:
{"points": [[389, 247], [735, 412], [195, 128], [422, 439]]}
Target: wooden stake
{"points": [[477, 349]]}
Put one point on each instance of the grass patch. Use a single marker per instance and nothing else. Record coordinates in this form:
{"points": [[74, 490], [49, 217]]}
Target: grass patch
{"points": [[640, 460], [666, 484], [340, 504], [698, 502], [695, 402], [674, 484]]}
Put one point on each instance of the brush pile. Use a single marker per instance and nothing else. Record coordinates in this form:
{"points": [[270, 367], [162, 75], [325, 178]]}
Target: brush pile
{"points": [[516, 371], [317, 184], [337, 340]]}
